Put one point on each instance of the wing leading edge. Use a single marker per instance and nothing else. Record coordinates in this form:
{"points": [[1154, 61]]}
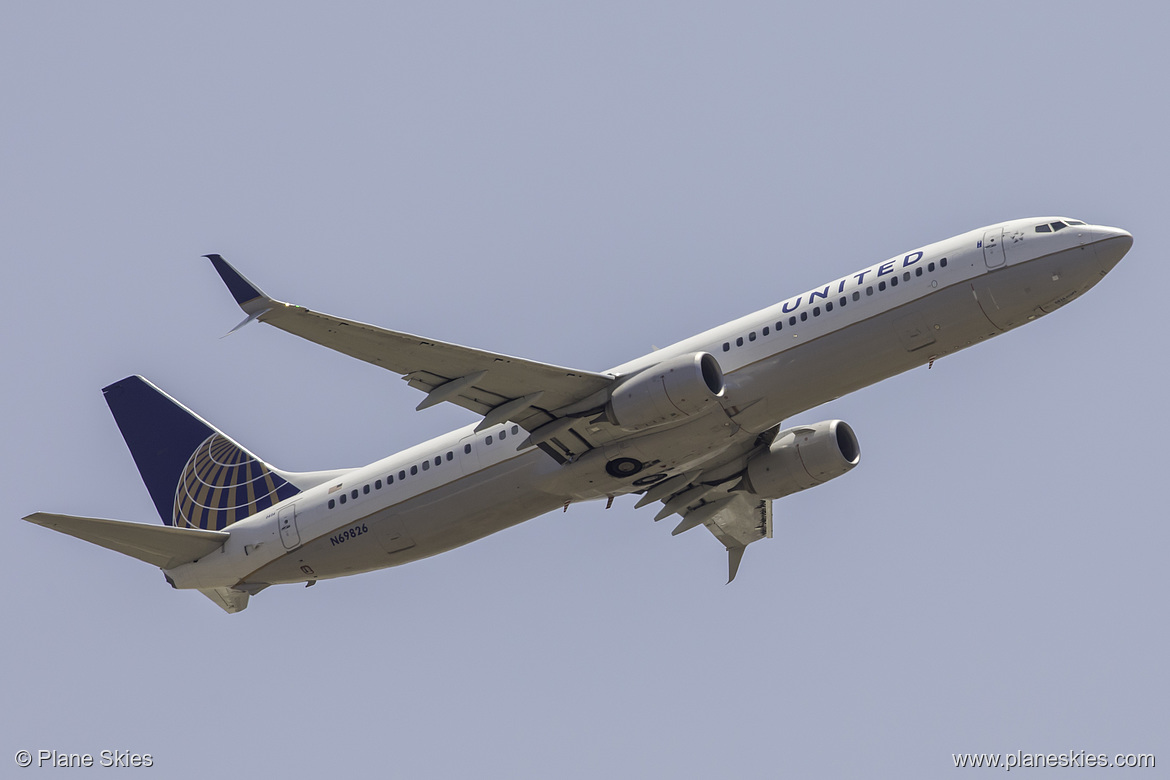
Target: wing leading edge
{"points": [[494, 385]]}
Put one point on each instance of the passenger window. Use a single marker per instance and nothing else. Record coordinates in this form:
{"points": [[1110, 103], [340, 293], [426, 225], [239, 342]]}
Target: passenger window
{"points": [[816, 311], [366, 489], [906, 277], [918, 272], [829, 306], [881, 286], [752, 336], [843, 301], [389, 479], [930, 267], [779, 325], [343, 498], [401, 475], [893, 281], [792, 320], [353, 493], [766, 331], [488, 440], [804, 316], [869, 290], [857, 296], [450, 456], [377, 484], [942, 263], [515, 429], [503, 435], [438, 459], [466, 449], [413, 470], [726, 346], [332, 503], [426, 464], [739, 341]]}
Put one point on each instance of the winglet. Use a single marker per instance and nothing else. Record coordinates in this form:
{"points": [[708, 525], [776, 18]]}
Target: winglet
{"points": [[250, 297], [246, 320]]}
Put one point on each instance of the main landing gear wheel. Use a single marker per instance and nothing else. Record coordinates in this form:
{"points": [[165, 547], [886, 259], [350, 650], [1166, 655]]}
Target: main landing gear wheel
{"points": [[623, 467]]}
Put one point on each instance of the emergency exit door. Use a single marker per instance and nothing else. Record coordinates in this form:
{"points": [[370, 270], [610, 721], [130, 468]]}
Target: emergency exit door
{"points": [[287, 522]]}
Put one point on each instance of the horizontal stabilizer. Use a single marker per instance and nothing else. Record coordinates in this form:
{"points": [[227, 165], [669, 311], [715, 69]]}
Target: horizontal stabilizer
{"points": [[159, 545]]}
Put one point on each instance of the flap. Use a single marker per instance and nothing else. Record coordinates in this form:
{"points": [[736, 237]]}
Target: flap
{"points": [[472, 378]]}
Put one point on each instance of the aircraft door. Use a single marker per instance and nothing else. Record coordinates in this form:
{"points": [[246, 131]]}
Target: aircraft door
{"points": [[993, 248], [287, 522], [468, 454]]}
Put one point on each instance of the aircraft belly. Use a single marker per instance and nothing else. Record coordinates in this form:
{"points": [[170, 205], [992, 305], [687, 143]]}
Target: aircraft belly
{"points": [[866, 352], [914, 334], [1023, 292], [464, 511]]}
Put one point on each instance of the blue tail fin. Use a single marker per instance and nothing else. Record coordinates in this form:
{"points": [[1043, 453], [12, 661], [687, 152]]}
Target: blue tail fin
{"points": [[197, 476]]}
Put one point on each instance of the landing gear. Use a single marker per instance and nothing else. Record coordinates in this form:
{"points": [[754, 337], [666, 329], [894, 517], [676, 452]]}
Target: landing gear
{"points": [[621, 468]]}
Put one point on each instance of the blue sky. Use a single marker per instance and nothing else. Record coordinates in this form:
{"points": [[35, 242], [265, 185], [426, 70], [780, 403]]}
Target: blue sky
{"points": [[574, 184]]}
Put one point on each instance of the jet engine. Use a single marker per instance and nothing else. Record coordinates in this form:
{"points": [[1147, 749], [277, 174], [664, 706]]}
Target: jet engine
{"points": [[679, 387], [803, 457]]}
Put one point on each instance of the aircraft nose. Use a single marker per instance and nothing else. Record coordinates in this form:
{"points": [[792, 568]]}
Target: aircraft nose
{"points": [[1111, 244]]}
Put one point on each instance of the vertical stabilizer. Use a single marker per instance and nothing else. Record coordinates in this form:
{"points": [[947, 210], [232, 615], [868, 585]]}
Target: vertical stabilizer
{"points": [[196, 475]]}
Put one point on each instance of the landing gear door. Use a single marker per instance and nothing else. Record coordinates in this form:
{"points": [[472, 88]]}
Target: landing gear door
{"points": [[287, 522], [993, 248]]}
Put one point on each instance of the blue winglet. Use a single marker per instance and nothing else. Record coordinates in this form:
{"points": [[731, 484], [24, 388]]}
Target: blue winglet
{"points": [[241, 289]]}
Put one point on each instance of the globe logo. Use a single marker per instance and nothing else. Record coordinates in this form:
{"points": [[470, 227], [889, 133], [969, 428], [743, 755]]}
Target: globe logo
{"points": [[222, 483]]}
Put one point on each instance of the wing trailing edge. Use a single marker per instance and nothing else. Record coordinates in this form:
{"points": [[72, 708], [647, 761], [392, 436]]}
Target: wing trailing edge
{"points": [[491, 384]]}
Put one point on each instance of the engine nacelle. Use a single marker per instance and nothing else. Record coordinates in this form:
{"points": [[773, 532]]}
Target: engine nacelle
{"points": [[680, 387], [803, 457]]}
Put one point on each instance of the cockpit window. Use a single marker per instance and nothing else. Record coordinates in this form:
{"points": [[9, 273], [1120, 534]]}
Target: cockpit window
{"points": [[1053, 227]]}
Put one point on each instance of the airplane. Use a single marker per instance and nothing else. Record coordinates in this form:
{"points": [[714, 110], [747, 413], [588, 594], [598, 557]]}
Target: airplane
{"points": [[696, 427]]}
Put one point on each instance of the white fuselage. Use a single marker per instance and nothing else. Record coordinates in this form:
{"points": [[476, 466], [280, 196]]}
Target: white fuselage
{"points": [[777, 362]]}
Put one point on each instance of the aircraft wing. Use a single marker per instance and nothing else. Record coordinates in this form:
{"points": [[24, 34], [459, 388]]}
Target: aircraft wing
{"points": [[736, 519], [500, 387]]}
